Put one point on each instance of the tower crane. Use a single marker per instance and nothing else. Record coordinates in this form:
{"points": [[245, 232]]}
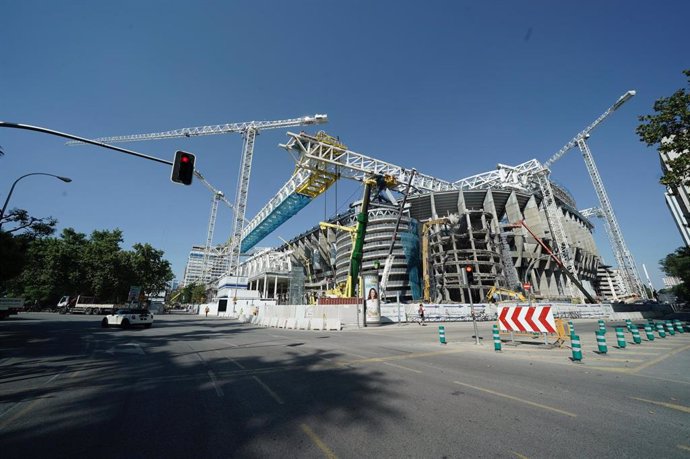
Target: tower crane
{"points": [[249, 131], [624, 258], [217, 196]]}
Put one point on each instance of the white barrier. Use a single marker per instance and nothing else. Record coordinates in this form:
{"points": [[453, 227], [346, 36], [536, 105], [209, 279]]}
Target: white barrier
{"points": [[316, 324]]}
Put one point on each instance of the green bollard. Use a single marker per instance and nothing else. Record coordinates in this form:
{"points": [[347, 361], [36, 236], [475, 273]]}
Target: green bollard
{"points": [[620, 336], [571, 327], [601, 342], [629, 325], [577, 349], [669, 328], [602, 326], [497, 339], [442, 334], [660, 330], [679, 326], [649, 332], [636, 336]]}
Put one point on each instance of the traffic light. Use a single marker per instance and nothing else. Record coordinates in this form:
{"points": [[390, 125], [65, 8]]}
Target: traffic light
{"points": [[183, 168], [469, 272]]}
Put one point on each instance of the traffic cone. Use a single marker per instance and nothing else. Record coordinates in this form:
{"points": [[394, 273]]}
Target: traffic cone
{"points": [[650, 333], [679, 326], [601, 342], [669, 328], [602, 326], [660, 330], [620, 336], [497, 339], [442, 334], [577, 349], [636, 336]]}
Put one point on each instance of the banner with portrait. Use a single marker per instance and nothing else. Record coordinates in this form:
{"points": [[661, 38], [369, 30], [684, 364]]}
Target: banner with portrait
{"points": [[371, 298]]}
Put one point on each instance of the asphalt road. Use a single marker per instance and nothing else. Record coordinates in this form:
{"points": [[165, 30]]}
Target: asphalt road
{"points": [[208, 387]]}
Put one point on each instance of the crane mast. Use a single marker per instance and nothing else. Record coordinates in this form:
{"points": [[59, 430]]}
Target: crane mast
{"points": [[624, 258]]}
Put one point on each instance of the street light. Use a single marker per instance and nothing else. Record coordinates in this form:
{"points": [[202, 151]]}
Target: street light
{"points": [[9, 195]]}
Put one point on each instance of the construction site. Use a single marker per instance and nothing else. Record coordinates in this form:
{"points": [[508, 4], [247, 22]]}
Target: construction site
{"points": [[506, 233]]}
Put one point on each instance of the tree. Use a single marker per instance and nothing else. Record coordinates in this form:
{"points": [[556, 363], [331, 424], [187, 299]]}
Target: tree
{"points": [[15, 241], [669, 130], [677, 264], [150, 270]]}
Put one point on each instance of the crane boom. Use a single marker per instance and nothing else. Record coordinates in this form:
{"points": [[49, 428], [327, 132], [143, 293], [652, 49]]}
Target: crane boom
{"points": [[213, 129], [621, 100]]}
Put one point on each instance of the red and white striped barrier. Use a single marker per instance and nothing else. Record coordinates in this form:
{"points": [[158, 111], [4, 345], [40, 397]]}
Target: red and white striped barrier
{"points": [[536, 319]]}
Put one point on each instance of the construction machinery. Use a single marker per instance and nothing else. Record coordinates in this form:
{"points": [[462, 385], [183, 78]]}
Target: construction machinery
{"points": [[388, 265], [624, 258], [495, 294], [249, 130]]}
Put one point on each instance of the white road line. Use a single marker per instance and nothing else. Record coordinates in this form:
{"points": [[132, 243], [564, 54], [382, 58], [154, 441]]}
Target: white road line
{"points": [[219, 391], [270, 392]]}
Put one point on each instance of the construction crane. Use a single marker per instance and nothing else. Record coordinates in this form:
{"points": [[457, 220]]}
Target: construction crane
{"points": [[624, 258], [249, 130], [217, 196]]}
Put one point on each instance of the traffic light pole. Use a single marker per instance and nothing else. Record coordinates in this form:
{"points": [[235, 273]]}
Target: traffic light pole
{"points": [[474, 318], [28, 127]]}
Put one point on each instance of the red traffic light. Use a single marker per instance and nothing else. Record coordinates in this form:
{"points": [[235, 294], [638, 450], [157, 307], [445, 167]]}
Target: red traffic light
{"points": [[183, 168], [468, 268]]}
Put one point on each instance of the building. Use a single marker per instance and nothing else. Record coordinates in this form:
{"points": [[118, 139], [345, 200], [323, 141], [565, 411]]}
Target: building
{"points": [[202, 269], [677, 199]]}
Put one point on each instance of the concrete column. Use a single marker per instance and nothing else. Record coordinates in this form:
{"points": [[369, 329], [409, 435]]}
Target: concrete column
{"points": [[275, 287], [265, 285]]}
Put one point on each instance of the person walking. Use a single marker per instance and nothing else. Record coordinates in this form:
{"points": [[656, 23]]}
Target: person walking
{"points": [[206, 310], [420, 311]]}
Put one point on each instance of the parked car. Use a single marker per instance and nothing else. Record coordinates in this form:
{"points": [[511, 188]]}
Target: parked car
{"points": [[126, 318]]}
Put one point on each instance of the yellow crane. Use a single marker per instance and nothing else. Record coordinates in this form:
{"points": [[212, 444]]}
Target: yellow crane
{"points": [[513, 295]]}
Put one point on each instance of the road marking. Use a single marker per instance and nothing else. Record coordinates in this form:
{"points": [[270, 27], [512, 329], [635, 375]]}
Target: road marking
{"points": [[402, 367], [219, 391], [519, 456], [686, 448], [18, 413], [236, 363], [317, 441], [268, 389], [510, 397], [660, 358], [677, 381], [673, 406], [402, 357]]}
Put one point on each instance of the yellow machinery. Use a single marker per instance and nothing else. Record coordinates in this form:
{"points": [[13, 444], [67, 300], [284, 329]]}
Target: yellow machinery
{"points": [[503, 292], [341, 290]]}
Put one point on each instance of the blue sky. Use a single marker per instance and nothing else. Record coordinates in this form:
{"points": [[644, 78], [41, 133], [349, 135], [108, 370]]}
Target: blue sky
{"points": [[450, 88]]}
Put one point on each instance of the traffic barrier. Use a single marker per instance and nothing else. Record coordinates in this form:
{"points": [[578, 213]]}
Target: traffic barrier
{"points": [[532, 321], [602, 326], [620, 337], [316, 324], [650, 333], [660, 330], [333, 324], [577, 348], [601, 342], [669, 328], [636, 336], [679, 326], [497, 338], [442, 334], [629, 325]]}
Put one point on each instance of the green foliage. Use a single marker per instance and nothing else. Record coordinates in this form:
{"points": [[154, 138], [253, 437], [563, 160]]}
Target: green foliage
{"points": [[75, 264], [677, 264], [669, 130]]}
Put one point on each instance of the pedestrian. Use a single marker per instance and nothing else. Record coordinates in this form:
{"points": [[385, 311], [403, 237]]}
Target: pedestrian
{"points": [[206, 311], [420, 311]]}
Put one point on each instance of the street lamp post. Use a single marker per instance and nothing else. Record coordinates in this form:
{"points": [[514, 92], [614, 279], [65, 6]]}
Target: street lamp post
{"points": [[9, 195]]}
